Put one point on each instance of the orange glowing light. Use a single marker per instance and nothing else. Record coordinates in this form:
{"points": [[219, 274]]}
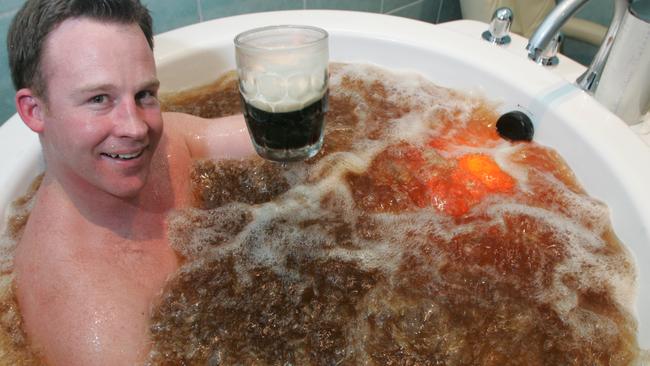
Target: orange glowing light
{"points": [[487, 171], [475, 176]]}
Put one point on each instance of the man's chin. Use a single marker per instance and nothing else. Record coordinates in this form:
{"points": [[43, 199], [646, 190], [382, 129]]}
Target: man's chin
{"points": [[128, 194], [129, 189]]}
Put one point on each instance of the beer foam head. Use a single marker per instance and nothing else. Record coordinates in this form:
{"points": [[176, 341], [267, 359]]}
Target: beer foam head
{"points": [[276, 91]]}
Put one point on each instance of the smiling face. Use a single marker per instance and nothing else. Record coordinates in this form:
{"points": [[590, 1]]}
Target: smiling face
{"points": [[101, 119]]}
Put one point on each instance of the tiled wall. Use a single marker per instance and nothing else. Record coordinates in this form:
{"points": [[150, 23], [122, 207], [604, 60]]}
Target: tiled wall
{"points": [[170, 14]]}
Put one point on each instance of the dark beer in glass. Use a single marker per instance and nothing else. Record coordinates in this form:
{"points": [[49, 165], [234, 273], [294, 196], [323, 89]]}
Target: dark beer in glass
{"points": [[283, 83]]}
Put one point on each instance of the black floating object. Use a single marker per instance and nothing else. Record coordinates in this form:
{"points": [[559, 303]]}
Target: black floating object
{"points": [[515, 126]]}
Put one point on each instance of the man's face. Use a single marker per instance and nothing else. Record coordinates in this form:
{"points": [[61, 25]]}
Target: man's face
{"points": [[102, 120]]}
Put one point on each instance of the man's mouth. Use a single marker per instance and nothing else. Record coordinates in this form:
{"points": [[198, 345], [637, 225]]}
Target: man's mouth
{"points": [[129, 156]]}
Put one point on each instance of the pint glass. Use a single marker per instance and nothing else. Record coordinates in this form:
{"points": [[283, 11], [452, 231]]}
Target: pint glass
{"points": [[283, 84]]}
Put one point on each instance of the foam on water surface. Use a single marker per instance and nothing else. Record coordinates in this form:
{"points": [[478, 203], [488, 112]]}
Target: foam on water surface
{"points": [[416, 236]]}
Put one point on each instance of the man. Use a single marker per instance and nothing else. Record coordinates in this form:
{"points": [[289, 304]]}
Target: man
{"points": [[94, 254]]}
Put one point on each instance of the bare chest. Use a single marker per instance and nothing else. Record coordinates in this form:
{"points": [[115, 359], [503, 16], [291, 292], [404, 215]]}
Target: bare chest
{"points": [[99, 297]]}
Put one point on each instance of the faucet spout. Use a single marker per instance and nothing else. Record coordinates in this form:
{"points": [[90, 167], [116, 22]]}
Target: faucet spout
{"points": [[538, 42], [540, 39]]}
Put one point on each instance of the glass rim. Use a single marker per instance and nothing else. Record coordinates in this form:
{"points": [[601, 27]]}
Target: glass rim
{"points": [[239, 38]]}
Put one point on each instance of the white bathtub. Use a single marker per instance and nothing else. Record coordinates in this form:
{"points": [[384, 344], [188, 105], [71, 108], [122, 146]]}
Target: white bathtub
{"points": [[611, 162]]}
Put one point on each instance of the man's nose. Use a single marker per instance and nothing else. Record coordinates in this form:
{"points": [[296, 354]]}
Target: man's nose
{"points": [[130, 120]]}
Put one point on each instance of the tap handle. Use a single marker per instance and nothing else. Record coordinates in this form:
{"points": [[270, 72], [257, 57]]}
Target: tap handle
{"points": [[499, 31]]}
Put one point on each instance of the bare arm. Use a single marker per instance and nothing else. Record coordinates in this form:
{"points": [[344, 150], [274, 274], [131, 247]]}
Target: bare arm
{"points": [[220, 138]]}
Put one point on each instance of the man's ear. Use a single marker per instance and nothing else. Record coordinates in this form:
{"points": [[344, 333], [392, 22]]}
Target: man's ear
{"points": [[31, 109]]}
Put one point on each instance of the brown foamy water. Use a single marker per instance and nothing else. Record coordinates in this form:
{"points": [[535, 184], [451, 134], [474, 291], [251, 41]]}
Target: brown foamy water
{"points": [[14, 346], [415, 237]]}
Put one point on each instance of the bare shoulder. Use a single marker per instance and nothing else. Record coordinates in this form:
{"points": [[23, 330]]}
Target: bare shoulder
{"points": [[75, 317], [87, 307], [219, 138]]}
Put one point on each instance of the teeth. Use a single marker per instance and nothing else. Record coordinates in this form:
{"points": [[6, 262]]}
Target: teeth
{"points": [[124, 156]]}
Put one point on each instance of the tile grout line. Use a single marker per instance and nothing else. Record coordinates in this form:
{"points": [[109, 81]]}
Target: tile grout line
{"points": [[381, 6], [439, 11], [404, 7], [199, 9], [304, 4]]}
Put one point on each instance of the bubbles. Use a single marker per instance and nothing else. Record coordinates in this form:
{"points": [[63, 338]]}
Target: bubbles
{"points": [[349, 257]]}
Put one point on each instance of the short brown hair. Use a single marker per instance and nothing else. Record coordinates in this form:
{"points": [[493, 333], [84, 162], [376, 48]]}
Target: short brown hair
{"points": [[38, 18]]}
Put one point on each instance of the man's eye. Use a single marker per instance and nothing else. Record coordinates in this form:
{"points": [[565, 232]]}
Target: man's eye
{"points": [[99, 99], [146, 97]]}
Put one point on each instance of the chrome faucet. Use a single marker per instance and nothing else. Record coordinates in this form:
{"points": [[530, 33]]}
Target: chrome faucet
{"points": [[556, 19], [592, 80]]}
